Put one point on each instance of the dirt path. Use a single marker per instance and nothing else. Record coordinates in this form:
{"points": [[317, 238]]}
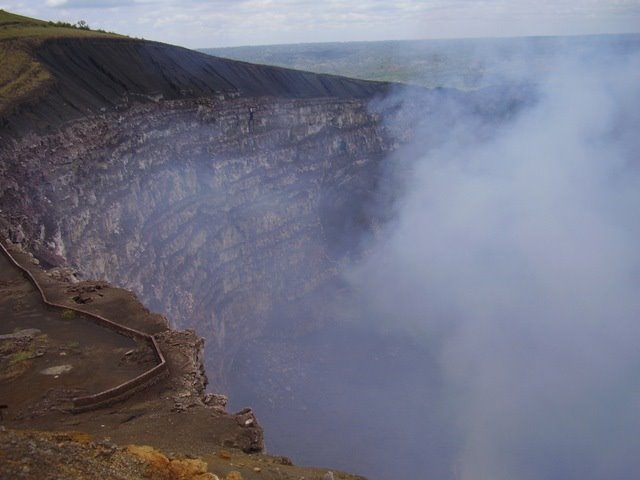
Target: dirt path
{"points": [[48, 356], [173, 416]]}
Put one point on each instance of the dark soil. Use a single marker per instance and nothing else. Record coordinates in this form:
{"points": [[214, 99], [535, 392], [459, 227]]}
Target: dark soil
{"points": [[48, 356], [94, 75]]}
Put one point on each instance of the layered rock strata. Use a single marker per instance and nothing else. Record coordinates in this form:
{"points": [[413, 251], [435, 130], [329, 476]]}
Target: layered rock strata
{"points": [[222, 218], [229, 197]]}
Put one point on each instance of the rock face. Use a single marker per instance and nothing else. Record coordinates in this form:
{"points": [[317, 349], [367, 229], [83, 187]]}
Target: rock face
{"points": [[221, 221], [227, 196], [92, 75], [201, 421], [229, 213]]}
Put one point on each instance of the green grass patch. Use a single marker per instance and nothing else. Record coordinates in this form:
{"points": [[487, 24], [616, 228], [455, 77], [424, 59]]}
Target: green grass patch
{"points": [[68, 315], [14, 365], [74, 347], [19, 357], [14, 26], [21, 75]]}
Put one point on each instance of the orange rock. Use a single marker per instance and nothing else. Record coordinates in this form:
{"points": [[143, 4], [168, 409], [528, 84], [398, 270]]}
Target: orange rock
{"points": [[224, 455], [189, 469], [163, 468]]}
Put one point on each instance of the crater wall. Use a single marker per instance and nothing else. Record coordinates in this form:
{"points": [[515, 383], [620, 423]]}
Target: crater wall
{"points": [[223, 219]]}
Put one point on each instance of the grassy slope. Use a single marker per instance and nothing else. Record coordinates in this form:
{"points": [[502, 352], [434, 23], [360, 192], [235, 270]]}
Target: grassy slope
{"points": [[14, 26], [21, 75]]}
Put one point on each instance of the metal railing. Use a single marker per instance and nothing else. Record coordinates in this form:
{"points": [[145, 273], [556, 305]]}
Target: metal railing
{"points": [[119, 392]]}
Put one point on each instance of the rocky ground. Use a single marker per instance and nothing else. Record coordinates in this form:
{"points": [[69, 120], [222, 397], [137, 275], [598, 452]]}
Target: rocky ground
{"points": [[75, 455], [172, 430]]}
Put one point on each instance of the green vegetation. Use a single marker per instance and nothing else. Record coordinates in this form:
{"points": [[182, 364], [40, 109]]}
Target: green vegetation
{"points": [[14, 26], [73, 347], [68, 315], [463, 64], [21, 75], [19, 357], [13, 364], [430, 63]]}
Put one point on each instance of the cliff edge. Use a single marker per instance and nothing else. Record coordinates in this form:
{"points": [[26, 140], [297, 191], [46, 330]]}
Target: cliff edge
{"points": [[40, 438], [54, 74], [57, 77]]}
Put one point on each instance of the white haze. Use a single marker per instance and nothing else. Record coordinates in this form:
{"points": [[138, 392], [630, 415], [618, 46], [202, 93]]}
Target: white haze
{"points": [[519, 257]]}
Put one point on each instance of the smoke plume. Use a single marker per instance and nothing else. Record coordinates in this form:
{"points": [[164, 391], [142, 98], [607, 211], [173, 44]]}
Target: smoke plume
{"points": [[514, 257]]}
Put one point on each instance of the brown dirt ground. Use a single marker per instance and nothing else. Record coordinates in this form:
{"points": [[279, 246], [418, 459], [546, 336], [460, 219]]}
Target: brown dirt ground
{"points": [[169, 416]]}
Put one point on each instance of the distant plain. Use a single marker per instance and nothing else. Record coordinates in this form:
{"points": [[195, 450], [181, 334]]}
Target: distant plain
{"points": [[464, 64]]}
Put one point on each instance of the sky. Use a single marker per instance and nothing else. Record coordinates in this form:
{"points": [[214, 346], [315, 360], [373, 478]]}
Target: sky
{"points": [[220, 23]]}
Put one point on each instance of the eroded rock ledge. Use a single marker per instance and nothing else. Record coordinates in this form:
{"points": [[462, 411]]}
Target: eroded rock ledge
{"points": [[189, 433], [214, 215], [183, 390], [173, 430]]}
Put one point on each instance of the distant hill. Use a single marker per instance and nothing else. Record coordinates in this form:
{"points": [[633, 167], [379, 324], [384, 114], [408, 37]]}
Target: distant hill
{"points": [[464, 63]]}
